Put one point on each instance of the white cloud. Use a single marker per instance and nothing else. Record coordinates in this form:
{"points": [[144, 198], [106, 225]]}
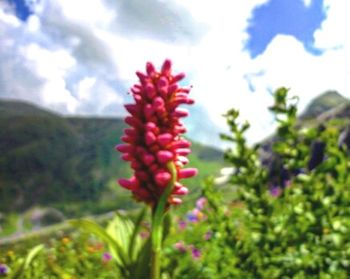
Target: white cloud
{"points": [[95, 95]]}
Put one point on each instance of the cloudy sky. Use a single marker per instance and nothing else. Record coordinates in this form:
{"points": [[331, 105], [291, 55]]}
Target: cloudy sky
{"points": [[80, 56]]}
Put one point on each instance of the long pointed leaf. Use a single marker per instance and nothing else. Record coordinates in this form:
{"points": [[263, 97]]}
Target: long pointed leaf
{"points": [[32, 254], [116, 250], [143, 267], [133, 247]]}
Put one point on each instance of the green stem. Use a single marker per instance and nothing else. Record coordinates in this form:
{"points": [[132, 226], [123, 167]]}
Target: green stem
{"points": [[157, 224]]}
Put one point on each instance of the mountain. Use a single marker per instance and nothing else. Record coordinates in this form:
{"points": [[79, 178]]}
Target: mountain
{"points": [[323, 103], [10, 108], [48, 159], [329, 106]]}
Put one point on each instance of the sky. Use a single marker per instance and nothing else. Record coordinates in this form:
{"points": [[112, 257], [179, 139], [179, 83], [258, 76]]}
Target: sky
{"points": [[79, 57]]}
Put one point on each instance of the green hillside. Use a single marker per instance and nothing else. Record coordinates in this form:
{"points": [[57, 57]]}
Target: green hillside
{"points": [[50, 160], [322, 103]]}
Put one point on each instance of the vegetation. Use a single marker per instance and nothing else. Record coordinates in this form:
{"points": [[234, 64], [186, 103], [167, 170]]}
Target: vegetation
{"points": [[68, 163], [289, 223]]}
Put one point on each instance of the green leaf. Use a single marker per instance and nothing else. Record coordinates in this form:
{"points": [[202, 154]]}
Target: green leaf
{"points": [[117, 251], [23, 265], [135, 243], [142, 265], [32, 254]]}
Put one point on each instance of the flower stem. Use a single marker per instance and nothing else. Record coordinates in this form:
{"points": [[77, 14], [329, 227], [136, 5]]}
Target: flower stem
{"points": [[157, 224]]}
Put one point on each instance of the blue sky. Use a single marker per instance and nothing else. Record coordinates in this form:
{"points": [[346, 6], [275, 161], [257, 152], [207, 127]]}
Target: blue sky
{"points": [[77, 60], [288, 17]]}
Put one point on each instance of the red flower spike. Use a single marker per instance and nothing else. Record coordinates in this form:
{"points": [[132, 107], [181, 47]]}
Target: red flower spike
{"points": [[154, 137]]}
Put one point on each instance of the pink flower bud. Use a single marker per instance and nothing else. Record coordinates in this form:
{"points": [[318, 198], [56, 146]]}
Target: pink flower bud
{"points": [[123, 148], [126, 139], [166, 68], [150, 69], [135, 165], [142, 175], [132, 109], [150, 126], [181, 144], [164, 156], [164, 139], [150, 90], [179, 112], [183, 160], [183, 151], [130, 184], [162, 82], [187, 173], [181, 191], [174, 201], [148, 110], [135, 90], [178, 77], [126, 157], [150, 138], [158, 102], [130, 132], [132, 121], [148, 159], [162, 178], [172, 88], [141, 76]]}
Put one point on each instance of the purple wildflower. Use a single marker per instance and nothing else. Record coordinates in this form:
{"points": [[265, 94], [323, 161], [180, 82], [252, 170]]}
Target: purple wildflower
{"points": [[196, 253], [4, 269], [106, 257], [192, 217], [275, 191]]}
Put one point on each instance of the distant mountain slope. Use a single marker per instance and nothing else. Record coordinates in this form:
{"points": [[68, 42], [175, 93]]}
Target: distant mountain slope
{"points": [[46, 158], [10, 108], [329, 106], [323, 103]]}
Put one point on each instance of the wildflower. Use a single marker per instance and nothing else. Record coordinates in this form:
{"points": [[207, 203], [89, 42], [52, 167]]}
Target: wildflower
{"points": [[4, 269], [180, 246], [154, 137], [195, 216], [182, 225], [200, 203], [196, 253], [192, 217], [65, 240], [275, 191], [208, 235], [106, 257], [98, 246], [90, 249], [144, 234]]}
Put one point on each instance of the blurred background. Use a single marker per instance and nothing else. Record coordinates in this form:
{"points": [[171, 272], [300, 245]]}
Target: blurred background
{"points": [[66, 68]]}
